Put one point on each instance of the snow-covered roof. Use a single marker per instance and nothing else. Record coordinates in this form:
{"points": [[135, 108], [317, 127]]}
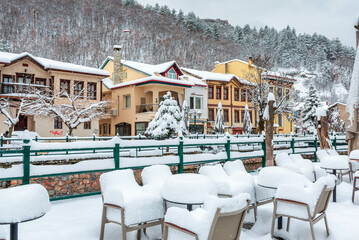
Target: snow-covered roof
{"points": [[233, 60], [278, 75], [145, 68], [49, 64], [205, 75], [148, 80], [336, 104], [195, 81]]}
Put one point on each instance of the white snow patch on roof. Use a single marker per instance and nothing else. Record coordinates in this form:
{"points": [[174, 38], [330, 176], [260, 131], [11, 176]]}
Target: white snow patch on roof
{"points": [[156, 79], [194, 80], [107, 82], [6, 57]]}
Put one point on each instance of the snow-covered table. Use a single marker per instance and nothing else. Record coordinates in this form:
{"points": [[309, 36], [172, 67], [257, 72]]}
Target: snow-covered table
{"points": [[188, 189], [22, 204]]}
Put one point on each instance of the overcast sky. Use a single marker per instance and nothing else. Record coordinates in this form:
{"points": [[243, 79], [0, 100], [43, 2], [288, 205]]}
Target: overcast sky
{"points": [[331, 18]]}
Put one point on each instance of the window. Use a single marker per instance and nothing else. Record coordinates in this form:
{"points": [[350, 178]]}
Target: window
{"points": [[249, 96], [127, 101], [271, 89], [279, 93], [104, 129], [236, 116], [172, 74], [79, 89], [87, 125], [91, 90], [57, 123], [196, 103], [250, 116], [210, 114], [40, 81], [242, 116], [280, 120], [218, 92], [243, 95], [140, 128], [210, 92], [225, 115], [8, 88], [236, 94], [287, 94], [65, 87], [225, 93], [23, 80]]}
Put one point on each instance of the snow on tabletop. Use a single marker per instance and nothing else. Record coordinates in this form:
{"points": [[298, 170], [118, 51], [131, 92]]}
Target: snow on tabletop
{"points": [[353, 95], [334, 162], [23, 203], [188, 188], [273, 177], [354, 154]]}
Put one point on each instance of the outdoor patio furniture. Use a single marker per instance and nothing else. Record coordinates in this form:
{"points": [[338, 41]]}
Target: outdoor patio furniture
{"points": [[273, 177], [220, 218], [155, 176], [355, 185], [306, 204], [329, 162], [304, 167], [128, 204], [306, 163], [352, 164], [22, 204], [188, 189]]}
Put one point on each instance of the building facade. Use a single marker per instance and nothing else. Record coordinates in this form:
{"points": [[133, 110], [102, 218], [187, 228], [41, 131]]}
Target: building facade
{"points": [[278, 84], [135, 90], [22, 72]]}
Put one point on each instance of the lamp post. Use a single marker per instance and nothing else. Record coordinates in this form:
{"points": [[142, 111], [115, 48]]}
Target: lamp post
{"points": [[195, 114]]}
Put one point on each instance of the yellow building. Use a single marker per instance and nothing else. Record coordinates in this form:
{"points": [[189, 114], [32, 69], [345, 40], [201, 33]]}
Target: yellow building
{"points": [[279, 84], [135, 91], [231, 91]]}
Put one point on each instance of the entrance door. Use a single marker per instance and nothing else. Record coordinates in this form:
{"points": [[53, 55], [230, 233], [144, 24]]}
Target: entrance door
{"points": [[123, 129], [22, 124]]}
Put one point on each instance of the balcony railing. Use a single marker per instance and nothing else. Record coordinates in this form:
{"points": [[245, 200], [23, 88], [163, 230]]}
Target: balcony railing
{"points": [[143, 108], [9, 88]]}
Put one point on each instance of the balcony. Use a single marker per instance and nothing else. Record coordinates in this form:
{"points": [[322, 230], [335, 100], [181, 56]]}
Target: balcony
{"points": [[144, 108], [9, 88]]}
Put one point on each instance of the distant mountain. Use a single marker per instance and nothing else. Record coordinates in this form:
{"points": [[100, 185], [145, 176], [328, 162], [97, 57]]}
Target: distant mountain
{"points": [[84, 31]]}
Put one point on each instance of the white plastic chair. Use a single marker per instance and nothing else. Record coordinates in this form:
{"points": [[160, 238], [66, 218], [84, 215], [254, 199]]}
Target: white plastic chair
{"points": [[220, 218], [128, 204]]}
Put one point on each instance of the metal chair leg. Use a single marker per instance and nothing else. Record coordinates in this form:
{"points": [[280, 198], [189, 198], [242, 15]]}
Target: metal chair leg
{"points": [[165, 232], [312, 229], [103, 222], [326, 224], [288, 223]]}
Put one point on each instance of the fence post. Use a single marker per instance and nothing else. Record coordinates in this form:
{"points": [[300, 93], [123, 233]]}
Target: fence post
{"points": [[292, 144], [180, 155], [36, 139], [228, 148], [335, 142], [315, 147], [26, 164], [264, 152], [204, 136], [116, 156], [1, 143]]}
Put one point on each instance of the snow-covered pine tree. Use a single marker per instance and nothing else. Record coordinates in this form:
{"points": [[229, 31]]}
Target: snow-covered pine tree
{"points": [[185, 114], [312, 102], [247, 125], [168, 120]]}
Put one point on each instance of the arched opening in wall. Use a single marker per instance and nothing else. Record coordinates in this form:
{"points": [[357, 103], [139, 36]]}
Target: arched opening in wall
{"points": [[123, 129]]}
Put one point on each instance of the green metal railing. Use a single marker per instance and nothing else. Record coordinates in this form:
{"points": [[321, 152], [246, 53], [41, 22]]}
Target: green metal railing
{"points": [[177, 149]]}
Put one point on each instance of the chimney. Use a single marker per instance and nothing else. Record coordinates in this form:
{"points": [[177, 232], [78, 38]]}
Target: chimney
{"points": [[216, 63], [117, 75]]}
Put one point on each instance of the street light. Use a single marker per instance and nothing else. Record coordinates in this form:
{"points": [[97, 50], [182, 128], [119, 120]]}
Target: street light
{"points": [[195, 114]]}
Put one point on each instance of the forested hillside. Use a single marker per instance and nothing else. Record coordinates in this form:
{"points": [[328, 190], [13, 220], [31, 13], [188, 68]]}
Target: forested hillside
{"points": [[84, 31]]}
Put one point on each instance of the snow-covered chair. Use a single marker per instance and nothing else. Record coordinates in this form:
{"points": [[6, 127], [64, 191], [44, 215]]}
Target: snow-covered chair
{"points": [[306, 204], [355, 184], [22, 204], [220, 218], [303, 167], [155, 176], [306, 163], [128, 204], [333, 161]]}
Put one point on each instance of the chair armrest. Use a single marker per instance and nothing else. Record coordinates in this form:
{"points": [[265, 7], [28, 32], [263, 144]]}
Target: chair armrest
{"points": [[291, 201], [294, 193], [180, 228]]}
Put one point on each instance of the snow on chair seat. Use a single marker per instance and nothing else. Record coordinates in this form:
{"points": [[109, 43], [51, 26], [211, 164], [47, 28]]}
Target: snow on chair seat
{"points": [[220, 218], [128, 204], [23, 203]]}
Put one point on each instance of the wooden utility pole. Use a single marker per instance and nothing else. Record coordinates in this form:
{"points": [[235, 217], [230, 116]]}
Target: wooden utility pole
{"points": [[323, 133], [269, 134]]}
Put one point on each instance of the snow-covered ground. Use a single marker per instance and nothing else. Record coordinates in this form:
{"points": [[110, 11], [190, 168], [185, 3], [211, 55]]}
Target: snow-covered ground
{"points": [[80, 218]]}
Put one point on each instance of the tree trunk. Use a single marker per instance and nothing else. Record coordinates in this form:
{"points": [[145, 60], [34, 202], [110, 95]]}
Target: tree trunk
{"points": [[323, 133], [11, 129], [70, 131], [269, 135]]}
